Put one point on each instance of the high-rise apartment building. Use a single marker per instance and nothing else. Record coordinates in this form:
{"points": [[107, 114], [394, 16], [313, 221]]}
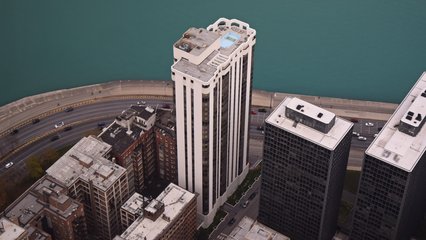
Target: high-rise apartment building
{"points": [[212, 74], [92, 179], [391, 196], [305, 154], [171, 216]]}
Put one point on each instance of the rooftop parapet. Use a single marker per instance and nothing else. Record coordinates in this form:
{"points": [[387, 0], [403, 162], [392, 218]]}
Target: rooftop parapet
{"points": [[87, 161], [314, 124], [310, 115], [173, 200], [415, 116], [202, 53], [196, 44], [135, 204], [402, 141]]}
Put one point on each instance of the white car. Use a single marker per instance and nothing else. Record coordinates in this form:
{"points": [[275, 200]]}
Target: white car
{"points": [[369, 124], [355, 134], [59, 124], [9, 164], [375, 135], [141, 103], [361, 138]]}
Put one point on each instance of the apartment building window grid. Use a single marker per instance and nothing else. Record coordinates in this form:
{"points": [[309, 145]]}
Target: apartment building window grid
{"points": [[380, 194]]}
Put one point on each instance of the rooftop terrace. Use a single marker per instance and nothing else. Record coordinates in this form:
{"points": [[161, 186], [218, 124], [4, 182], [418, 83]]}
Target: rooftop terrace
{"points": [[214, 46]]}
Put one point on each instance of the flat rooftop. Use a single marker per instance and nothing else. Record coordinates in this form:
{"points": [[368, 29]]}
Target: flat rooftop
{"points": [[31, 203], [395, 147], [117, 136], [249, 229], [86, 161], [25, 210], [310, 110], [175, 200], [198, 40], [327, 140], [11, 230], [166, 120], [135, 204]]}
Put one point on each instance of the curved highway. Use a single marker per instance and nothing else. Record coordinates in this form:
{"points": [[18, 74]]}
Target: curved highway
{"points": [[34, 138]]}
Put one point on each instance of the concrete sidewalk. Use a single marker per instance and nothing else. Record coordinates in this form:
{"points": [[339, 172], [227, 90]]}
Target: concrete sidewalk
{"points": [[21, 112]]}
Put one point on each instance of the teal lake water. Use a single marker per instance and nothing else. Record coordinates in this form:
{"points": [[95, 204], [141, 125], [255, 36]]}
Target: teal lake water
{"points": [[364, 49]]}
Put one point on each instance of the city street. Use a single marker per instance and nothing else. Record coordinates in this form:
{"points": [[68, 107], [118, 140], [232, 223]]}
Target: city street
{"points": [[238, 212]]}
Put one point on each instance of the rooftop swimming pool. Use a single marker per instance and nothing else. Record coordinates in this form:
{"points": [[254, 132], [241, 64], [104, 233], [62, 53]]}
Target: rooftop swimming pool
{"points": [[229, 39]]}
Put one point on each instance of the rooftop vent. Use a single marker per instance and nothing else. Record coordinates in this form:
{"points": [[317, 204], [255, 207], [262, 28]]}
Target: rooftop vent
{"points": [[320, 115], [298, 107], [419, 117]]}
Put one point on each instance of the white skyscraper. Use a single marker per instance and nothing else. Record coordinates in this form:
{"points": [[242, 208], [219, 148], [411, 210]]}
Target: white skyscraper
{"points": [[212, 73]]}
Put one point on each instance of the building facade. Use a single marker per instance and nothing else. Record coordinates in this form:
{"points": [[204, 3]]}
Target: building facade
{"points": [[171, 216], [99, 184], [391, 195], [305, 155], [212, 74], [165, 141]]}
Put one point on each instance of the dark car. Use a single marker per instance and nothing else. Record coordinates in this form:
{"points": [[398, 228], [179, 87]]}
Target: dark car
{"points": [[101, 124], [14, 131], [252, 196], [166, 106], [35, 120], [67, 128], [69, 109], [54, 138], [231, 221], [262, 110]]}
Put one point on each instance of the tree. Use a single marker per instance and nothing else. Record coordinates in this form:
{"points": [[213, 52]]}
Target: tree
{"points": [[34, 167]]}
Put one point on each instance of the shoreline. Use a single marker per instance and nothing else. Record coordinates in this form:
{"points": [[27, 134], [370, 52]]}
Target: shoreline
{"points": [[22, 111]]}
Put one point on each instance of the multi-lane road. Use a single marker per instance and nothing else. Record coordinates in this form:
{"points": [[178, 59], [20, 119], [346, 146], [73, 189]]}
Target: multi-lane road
{"points": [[33, 138]]}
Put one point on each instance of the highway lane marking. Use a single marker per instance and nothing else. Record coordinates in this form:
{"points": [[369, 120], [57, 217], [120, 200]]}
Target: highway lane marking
{"points": [[83, 103], [46, 134]]}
